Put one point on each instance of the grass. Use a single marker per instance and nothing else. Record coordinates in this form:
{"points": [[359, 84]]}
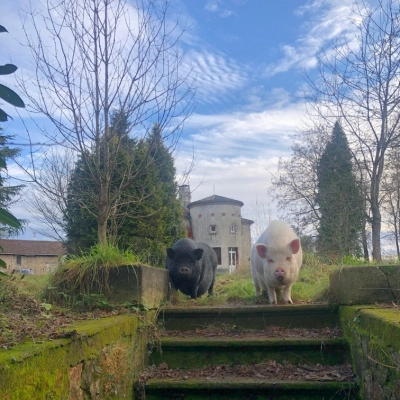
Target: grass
{"points": [[32, 285], [85, 278], [311, 286]]}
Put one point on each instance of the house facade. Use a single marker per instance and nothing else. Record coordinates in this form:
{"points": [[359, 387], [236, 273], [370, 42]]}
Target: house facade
{"points": [[217, 221], [38, 257]]}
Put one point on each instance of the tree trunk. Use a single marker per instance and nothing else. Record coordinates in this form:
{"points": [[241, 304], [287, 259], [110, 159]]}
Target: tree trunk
{"points": [[376, 234], [364, 243], [102, 217]]}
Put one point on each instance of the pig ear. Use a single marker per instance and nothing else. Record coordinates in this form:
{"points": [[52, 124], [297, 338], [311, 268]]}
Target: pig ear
{"points": [[261, 250], [170, 253], [295, 246], [197, 253]]}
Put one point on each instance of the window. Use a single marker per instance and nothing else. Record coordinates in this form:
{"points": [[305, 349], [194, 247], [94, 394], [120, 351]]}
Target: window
{"points": [[213, 229], [19, 260], [233, 228]]}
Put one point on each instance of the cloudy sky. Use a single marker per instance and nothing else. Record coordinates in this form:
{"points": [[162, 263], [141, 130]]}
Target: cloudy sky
{"points": [[249, 56]]}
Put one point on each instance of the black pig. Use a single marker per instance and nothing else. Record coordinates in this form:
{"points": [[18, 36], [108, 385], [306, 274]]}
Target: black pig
{"points": [[192, 267]]}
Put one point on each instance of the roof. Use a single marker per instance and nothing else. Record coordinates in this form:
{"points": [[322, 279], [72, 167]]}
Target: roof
{"points": [[214, 199], [32, 247]]}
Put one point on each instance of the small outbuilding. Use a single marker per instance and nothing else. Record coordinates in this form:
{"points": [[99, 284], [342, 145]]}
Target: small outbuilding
{"points": [[31, 256], [217, 221]]}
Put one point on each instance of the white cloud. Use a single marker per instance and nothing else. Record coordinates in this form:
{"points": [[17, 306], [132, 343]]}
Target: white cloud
{"points": [[329, 21], [217, 75], [215, 6]]}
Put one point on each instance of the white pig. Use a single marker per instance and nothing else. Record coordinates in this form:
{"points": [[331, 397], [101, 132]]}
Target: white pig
{"points": [[276, 259]]}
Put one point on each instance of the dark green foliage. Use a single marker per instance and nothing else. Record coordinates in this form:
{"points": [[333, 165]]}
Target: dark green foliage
{"points": [[339, 199], [147, 216], [9, 225], [81, 224], [6, 93]]}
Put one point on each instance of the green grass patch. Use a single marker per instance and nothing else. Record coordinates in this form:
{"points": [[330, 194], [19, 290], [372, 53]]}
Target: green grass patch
{"points": [[32, 285]]}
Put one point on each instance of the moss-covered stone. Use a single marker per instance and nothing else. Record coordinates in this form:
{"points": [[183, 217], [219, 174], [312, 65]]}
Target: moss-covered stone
{"points": [[374, 337], [100, 360]]}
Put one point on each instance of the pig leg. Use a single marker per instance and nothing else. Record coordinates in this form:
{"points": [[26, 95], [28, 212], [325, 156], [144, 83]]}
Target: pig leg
{"points": [[286, 294], [272, 295], [210, 290], [193, 292], [257, 287]]}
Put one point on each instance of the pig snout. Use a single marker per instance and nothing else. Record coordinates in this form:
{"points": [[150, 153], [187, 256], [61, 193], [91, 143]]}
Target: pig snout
{"points": [[184, 270], [280, 274]]}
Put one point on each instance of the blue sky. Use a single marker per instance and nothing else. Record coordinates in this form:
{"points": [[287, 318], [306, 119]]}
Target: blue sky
{"points": [[248, 55], [251, 55]]}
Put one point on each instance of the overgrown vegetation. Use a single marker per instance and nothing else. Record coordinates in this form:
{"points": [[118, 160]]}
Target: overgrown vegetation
{"points": [[84, 280]]}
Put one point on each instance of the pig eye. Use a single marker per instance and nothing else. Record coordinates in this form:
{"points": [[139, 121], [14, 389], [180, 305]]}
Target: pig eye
{"points": [[270, 261], [288, 258]]}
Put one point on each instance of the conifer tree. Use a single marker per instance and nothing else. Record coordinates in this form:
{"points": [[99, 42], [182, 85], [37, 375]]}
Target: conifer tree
{"points": [[148, 218], [339, 199]]}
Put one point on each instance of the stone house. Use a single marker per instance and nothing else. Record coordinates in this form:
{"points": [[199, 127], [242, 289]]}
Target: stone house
{"points": [[217, 221], [31, 256]]}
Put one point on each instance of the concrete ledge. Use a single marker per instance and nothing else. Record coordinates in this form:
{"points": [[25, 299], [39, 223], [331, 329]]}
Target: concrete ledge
{"points": [[365, 285], [139, 284]]}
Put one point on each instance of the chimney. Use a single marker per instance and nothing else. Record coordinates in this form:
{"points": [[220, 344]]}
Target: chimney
{"points": [[184, 195]]}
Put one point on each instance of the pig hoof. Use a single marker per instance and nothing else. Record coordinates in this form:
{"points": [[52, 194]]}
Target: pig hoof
{"points": [[289, 301]]}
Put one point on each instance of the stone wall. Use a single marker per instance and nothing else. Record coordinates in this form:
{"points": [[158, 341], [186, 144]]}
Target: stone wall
{"points": [[374, 336], [97, 359], [93, 359]]}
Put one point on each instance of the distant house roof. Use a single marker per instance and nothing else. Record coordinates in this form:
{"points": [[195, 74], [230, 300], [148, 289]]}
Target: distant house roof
{"points": [[31, 247], [214, 199]]}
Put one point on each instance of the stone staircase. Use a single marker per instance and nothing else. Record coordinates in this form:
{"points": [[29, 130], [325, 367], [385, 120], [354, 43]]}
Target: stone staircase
{"points": [[249, 353]]}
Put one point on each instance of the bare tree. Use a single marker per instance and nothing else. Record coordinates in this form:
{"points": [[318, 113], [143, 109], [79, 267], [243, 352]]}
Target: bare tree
{"points": [[359, 85], [295, 187], [92, 58], [391, 204], [48, 206]]}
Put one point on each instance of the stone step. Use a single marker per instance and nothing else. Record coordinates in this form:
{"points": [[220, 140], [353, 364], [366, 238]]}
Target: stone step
{"points": [[247, 389], [258, 352], [252, 317], [187, 352]]}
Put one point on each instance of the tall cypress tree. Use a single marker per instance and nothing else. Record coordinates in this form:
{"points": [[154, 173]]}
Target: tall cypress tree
{"points": [[339, 198]]}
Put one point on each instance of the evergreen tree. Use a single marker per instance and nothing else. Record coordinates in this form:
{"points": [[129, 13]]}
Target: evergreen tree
{"points": [[339, 199], [81, 225], [9, 225], [164, 223], [148, 218]]}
